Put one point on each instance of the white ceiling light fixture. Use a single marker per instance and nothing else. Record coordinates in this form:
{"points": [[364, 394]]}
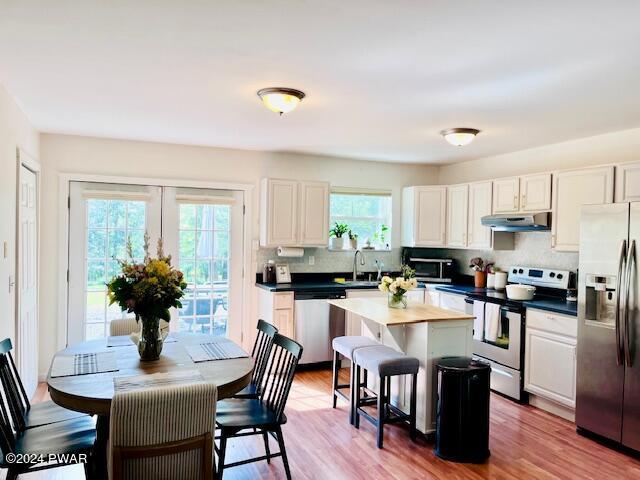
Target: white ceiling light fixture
{"points": [[280, 100], [459, 136]]}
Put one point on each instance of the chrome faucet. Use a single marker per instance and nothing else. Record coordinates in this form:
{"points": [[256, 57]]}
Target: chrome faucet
{"points": [[355, 264], [380, 265]]}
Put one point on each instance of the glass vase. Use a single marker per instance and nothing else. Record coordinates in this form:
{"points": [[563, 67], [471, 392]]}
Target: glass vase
{"points": [[397, 301], [150, 344]]}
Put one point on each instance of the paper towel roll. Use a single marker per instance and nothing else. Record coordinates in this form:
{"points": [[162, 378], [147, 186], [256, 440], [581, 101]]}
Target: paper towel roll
{"points": [[290, 252]]}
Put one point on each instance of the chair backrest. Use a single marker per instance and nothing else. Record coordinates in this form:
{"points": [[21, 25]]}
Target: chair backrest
{"points": [[285, 355], [261, 351], [123, 326], [164, 432], [15, 402]]}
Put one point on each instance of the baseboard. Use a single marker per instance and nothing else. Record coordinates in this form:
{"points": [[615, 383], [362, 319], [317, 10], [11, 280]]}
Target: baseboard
{"points": [[552, 407]]}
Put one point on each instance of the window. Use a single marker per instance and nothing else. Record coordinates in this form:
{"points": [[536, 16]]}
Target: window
{"points": [[368, 215]]}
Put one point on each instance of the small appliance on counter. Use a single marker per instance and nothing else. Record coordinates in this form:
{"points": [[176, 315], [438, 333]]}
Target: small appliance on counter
{"points": [[283, 275], [432, 270], [269, 272]]}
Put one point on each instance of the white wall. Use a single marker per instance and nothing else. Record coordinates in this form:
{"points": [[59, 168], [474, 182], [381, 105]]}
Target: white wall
{"points": [[74, 154], [15, 132], [617, 147]]}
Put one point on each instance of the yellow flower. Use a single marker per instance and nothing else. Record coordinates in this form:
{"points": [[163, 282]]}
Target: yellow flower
{"points": [[158, 268]]}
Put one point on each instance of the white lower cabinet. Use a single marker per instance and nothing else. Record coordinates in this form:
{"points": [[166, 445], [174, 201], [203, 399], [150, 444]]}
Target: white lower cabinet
{"points": [[550, 357], [452, 301]]}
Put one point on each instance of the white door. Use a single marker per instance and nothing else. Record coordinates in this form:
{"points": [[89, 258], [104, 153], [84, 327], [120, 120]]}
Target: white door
{"points": [[203, 231], [628, 182], [27, 281], [103, 217], [314, 213], [535, 192], [479, 236], [571, 190], [506, 192], [430, 212]]}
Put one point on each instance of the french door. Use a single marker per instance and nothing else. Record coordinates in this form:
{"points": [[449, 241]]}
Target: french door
{"points": [[202, 229]]}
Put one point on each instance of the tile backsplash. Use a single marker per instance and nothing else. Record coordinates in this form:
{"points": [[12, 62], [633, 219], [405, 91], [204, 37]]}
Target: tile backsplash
{"points": [[328, 261], [531, 249]]}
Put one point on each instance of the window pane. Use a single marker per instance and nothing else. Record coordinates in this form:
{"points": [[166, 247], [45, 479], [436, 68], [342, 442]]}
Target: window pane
{"points": [[96, 275], [96, 213], [221, 245], [187, 244], [135, 215], [204, 248], [203, 272], [117, 244], [220, 271], [117, 213], [187, 217], [96, 307], [188, 269], [368, 216], [96, 243], [340, 204], [222, 217], [137, 243]]}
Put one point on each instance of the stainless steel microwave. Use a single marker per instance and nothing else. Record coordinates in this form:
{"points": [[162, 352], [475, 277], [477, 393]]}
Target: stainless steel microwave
{"points": [[433, 270]]}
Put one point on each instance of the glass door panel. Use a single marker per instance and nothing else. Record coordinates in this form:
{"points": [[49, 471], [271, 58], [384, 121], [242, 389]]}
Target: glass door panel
{"points": [[102, 219]]}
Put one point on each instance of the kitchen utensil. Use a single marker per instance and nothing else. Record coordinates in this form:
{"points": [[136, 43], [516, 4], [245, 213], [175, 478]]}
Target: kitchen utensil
{"points": [[520, 292]]}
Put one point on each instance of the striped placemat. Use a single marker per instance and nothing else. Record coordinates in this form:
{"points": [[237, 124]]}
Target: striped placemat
{"points": [[84, 364], [222, 350], [156, 380]]}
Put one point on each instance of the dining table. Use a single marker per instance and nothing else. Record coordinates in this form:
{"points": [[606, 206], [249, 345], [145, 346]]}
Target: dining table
{"points": [[92, 393]]}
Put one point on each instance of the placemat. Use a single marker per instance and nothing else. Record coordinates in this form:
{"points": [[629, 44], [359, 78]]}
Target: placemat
{"points": [[155, 380], [222, 350], [84, 364]]}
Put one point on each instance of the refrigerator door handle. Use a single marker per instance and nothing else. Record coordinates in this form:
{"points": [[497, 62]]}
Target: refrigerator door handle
{"points": [[622, 257], [630, 262]]}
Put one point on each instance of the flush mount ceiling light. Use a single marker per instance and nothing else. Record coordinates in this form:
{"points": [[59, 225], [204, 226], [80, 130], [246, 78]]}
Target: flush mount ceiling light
{"points": [[280, 100], [459, 136]]}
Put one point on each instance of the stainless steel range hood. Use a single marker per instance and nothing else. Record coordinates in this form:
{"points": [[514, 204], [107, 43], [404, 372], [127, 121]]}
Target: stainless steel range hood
{"points": [[517, 222]]}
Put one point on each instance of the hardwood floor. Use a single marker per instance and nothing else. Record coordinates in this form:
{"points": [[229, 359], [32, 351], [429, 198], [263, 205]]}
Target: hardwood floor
{"points": [[525, 443]]}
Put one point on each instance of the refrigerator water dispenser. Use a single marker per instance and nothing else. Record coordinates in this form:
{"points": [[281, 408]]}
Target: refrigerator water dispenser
{"points": [[600, 299]]}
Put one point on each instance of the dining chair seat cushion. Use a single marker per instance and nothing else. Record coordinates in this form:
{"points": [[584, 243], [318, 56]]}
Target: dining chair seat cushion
{"points": [[48, 412], [250, 391], [385, 361], [71, 436], [348, 344], [249, 412]]}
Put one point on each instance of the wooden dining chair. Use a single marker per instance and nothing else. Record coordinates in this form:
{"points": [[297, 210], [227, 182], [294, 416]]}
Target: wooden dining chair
{"points": [[19, 436], [163, 433], [240, 417], [23, 414], [260, 354]]}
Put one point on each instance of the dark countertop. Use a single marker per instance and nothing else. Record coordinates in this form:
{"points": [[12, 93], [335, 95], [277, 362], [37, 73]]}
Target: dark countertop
{"points": [[543, 302], [320, 286]]}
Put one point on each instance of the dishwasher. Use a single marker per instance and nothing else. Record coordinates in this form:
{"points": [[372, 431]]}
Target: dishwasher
{"points": [[317, 324]]}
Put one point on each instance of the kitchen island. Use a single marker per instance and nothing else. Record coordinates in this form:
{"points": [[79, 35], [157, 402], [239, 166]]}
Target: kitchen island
{"points": [[422, 331]]}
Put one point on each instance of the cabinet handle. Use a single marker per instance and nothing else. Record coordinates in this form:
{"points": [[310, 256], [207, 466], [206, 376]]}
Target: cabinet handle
{"points": [[515, 202], [524, 200], [553, 240]]}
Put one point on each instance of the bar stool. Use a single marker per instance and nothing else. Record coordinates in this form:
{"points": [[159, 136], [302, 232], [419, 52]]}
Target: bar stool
{"points": [[385, 362], [345, 346]]}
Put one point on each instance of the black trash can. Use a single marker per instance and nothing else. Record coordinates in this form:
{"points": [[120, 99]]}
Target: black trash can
{"points": [[462, 417]]}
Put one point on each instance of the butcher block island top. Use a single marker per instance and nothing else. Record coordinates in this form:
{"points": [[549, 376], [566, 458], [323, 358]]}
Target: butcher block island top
{"points": [[377, 310]]}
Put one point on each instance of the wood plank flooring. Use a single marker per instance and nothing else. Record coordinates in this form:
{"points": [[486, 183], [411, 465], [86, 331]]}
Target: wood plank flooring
{"points": [[526, 443]]}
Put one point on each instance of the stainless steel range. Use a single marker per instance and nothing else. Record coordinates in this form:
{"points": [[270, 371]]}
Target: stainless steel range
{"points": [[500, 325]]}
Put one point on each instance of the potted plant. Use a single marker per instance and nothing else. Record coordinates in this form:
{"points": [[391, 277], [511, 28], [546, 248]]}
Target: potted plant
{"points": [[336, 242], [397, 288], [480, 276], [380, 237], [148, 289], [353, 240]]}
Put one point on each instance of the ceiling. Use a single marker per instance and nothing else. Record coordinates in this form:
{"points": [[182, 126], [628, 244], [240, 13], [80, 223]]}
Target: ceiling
{"points": [[382, 78]]}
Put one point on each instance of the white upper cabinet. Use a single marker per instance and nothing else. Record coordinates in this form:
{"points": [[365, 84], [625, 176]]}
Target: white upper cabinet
{"points": [[535, 192], [457, 215], [479, 236], [572, 190], [284, 223], [314, 213], [506, 195], [628, 182], [424, 216]]}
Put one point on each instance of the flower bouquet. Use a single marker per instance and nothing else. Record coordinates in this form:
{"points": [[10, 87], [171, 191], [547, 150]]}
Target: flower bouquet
{"points": [[148, 289], [397, 288]]}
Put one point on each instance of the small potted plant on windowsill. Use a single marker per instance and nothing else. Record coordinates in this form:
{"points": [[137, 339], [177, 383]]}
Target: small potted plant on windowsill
{"points": [[353, 240], [336, 241]]}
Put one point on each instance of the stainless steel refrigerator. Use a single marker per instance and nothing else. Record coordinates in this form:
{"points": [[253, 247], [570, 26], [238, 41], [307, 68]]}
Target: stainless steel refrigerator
{"points": [[608, 376]]}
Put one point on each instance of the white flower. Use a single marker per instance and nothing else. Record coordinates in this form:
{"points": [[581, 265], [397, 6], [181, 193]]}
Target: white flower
{"points": [[383, 287], [393, 288], [387, 279], [414, 282]]}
